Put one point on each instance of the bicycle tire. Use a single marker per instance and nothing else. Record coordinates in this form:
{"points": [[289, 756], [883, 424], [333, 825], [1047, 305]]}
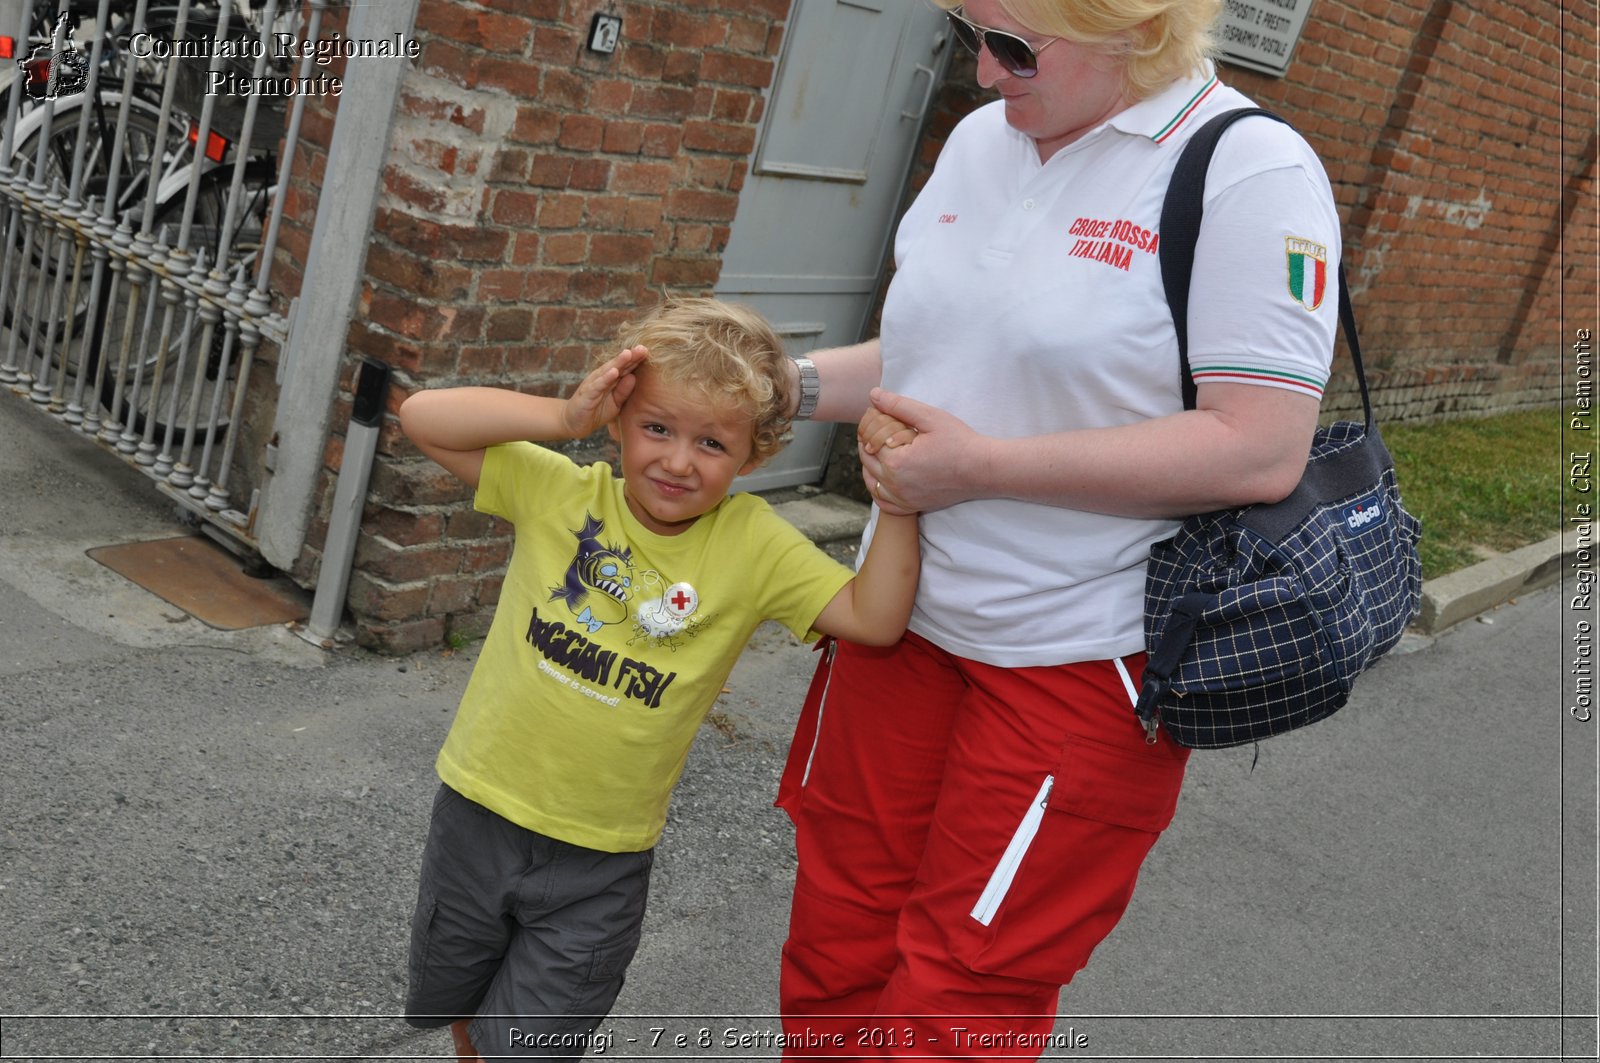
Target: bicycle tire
{"points": [[139, 144]]}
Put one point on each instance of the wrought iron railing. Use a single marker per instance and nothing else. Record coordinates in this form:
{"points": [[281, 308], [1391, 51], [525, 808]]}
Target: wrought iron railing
{"points": [[140, 217]]}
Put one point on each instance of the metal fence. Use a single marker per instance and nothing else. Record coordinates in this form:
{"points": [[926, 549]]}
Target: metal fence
{"points": [[139, 212]]}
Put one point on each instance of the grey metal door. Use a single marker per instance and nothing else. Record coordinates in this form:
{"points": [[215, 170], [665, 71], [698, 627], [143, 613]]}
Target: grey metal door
{"points": [[816, 213]]}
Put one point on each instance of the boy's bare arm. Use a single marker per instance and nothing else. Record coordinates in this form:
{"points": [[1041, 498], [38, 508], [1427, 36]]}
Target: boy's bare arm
{"points": [[873, 608], [454, 426]]}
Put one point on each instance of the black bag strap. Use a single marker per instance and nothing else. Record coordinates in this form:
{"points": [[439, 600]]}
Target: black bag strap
{"points": [[1181, 213]]}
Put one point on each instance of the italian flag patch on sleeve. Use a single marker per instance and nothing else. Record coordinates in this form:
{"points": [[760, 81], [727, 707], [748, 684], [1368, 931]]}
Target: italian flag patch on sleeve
{"points": [[1308, 271]]}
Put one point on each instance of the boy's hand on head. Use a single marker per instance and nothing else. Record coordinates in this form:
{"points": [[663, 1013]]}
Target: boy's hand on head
{"points": [[598, 400]]}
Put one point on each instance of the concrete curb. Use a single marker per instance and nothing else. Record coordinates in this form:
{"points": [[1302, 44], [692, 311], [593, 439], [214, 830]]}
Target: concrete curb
{"points": [[1446, 600], [1468, 592], [825, 518]]}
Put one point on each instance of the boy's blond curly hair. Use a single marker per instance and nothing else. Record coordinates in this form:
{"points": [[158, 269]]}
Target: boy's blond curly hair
{"points": [[725, 351]]}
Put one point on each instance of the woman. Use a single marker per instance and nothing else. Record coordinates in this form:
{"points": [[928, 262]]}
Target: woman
{"points": [[973, 804]]}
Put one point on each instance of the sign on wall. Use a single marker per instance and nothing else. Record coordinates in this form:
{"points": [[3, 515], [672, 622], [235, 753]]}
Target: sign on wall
{"points": [[1261, 34]]}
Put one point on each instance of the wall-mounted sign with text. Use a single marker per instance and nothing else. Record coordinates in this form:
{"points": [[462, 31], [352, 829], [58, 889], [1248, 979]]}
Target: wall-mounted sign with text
{"points": [[1261, 34]]}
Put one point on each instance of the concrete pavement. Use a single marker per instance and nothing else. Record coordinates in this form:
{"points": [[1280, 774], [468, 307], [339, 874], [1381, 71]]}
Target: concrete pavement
{"points": [[227, 824]]}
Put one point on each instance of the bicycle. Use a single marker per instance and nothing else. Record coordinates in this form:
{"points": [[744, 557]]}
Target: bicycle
{"points": [[167, 187]]}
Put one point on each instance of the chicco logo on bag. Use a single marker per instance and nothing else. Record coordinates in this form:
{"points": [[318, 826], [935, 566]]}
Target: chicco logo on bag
{"points": [[1364, 512]]}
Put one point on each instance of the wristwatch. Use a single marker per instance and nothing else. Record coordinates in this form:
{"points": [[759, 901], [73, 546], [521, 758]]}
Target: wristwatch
{"points": [[810, 389]]}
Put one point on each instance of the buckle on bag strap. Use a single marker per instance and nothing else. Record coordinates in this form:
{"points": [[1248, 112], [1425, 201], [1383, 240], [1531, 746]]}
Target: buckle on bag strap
{"points": [[1164, 657]]}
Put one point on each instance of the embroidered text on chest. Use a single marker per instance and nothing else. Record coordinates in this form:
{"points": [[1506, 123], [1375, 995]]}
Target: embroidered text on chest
{"points": [[1111, 242]]}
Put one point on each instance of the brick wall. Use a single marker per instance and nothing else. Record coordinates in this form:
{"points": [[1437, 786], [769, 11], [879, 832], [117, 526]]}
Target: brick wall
{"points": [[1450, 131], [537, 194]]}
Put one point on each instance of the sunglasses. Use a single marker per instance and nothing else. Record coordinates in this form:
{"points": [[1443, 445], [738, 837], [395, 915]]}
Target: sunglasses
{"points": [[1014, 54]]}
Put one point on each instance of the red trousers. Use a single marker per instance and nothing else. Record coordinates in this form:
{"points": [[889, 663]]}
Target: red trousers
{"points": [[967, 835]]}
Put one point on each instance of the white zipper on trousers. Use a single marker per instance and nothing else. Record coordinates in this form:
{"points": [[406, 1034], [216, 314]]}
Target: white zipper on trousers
{"points": [[822, 703], [1000, 882]]}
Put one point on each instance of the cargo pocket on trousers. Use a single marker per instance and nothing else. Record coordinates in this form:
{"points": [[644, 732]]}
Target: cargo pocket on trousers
{"points": [[609, 959], [1069, 870], [1133, 787], [419, 1005]]}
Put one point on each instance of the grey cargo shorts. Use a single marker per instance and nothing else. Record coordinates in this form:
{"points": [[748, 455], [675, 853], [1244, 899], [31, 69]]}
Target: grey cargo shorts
{"points": [[528, 934]]}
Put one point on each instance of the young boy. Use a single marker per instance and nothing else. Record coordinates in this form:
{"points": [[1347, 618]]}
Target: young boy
{"points": [[625, 605]]}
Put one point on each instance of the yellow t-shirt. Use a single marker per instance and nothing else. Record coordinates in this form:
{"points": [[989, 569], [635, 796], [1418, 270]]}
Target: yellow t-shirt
{"points": [[610, 644]]}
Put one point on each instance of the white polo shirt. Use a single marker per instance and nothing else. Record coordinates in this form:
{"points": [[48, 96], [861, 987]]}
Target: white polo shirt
{"points": [[1027, 300]]}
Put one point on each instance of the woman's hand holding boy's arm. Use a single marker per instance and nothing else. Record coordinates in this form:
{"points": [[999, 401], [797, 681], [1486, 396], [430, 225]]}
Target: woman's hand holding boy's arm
{"points": [[454, 426]]}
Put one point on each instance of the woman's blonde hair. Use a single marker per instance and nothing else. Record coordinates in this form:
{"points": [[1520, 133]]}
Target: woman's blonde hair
{"points": [[1159, 41], [724, 351]]}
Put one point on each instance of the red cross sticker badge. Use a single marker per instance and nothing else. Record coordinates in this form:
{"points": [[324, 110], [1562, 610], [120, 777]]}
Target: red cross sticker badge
{"points": [[681, 600]]}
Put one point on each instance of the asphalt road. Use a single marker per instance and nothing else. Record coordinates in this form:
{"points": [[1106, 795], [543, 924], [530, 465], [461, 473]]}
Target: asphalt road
{"points": [[227, 825]]}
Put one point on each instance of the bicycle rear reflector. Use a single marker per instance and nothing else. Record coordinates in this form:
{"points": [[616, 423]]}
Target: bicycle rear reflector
{"points": [[8, 47], [216, 144]]}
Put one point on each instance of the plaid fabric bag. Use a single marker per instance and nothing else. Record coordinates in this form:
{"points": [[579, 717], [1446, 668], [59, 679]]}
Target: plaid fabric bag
{"points": [[1258, 620]]}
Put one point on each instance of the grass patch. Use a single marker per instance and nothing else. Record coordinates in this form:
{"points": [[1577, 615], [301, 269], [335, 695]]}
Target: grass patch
{"points": [[1491, 482]]}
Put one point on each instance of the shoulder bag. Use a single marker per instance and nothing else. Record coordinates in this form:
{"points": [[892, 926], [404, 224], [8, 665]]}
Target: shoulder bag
{"points": [[1258, 620]]}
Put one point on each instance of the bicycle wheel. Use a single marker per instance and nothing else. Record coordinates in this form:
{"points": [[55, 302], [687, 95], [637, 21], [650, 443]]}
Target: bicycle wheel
{"points": [[249, 220], [30, 315]]}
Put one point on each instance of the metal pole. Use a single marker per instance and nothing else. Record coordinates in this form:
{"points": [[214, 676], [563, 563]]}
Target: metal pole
{"points": [[349, 498]]}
